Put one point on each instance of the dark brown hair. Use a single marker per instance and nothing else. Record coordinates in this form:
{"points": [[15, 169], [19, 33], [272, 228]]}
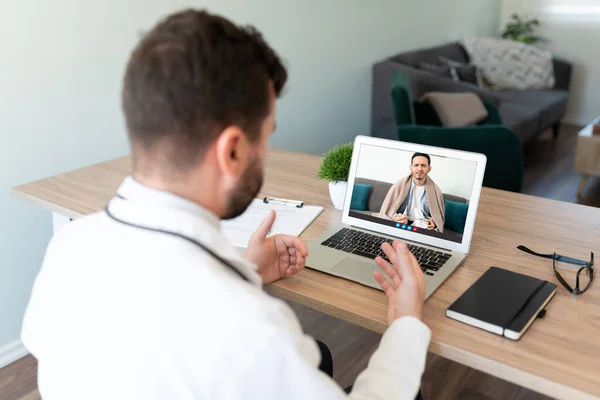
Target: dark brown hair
{"points": [[421, 155], [192, 76]]}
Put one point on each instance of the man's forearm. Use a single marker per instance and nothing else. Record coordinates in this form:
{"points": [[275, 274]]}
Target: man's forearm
{"points": [[396, 367]]}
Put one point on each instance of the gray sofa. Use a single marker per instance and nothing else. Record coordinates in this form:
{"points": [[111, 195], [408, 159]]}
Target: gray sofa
{"points": [[380, 189], [526, 112]]}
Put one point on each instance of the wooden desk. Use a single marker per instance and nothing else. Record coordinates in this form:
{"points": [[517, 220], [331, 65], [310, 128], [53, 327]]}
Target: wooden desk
{"points": [[559, 355]]}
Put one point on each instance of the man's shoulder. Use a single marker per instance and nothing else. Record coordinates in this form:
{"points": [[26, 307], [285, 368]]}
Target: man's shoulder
{"points": [[401, 182], [78, 228], [435, 185]]}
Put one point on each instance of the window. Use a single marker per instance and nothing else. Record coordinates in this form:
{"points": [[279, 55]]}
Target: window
{"points": [[562, 7]]}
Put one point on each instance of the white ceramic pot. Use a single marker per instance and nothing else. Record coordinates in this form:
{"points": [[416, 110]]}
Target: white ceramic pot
{"points": [[337, 191]]}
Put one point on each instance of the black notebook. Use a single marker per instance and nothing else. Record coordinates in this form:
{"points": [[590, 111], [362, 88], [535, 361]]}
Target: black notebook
{"points": [[503, 302]]}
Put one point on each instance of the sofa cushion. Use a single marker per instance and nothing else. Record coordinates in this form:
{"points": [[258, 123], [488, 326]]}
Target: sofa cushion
{"points": [[550, 104], [455, 216], [523, 120], [457, 110], [360, 196], [453, 51], [377, 193]]}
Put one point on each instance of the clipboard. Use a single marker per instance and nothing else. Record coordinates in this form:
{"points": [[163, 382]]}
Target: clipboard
{"points": [[293, 217]]}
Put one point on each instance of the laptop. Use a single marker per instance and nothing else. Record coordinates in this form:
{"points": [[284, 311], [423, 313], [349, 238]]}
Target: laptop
{"points": [[441, 189]]}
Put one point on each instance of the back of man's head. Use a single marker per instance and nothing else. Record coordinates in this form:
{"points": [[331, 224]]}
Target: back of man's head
{"points": [[188, 79]]}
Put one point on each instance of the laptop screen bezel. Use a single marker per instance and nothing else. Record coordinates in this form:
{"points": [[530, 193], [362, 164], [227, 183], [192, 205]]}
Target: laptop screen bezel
{"points": [[480, 161]]}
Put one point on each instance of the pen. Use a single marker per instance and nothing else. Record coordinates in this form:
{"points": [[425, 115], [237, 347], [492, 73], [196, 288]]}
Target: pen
{"points": [[286, 202]]}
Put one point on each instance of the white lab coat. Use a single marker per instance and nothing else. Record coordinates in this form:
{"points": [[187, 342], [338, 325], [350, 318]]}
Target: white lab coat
{"points": [[118, 312]]}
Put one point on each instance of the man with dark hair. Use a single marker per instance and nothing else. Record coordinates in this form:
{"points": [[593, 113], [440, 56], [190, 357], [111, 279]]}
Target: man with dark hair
{"points": [[415, 199], [146, 299]]}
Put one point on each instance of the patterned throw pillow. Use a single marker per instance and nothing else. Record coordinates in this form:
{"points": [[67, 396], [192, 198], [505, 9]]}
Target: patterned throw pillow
{"points": [[466, 72], [440, 70], [510, 65]]}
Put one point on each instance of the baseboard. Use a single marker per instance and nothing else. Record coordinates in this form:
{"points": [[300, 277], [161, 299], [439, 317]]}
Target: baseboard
{"points": [[577, 120], [12, 352]]}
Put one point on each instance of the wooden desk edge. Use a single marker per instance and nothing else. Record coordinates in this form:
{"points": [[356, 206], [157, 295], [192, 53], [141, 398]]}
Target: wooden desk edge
{"points": [[486, 365], [527, 380], [46, 205]]}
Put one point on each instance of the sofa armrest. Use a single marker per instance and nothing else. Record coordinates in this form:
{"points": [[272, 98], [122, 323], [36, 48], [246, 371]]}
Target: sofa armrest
{"points": [[563, 70], [500, 145]]}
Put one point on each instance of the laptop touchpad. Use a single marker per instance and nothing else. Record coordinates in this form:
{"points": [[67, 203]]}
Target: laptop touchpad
{"points": [[358, 270]]}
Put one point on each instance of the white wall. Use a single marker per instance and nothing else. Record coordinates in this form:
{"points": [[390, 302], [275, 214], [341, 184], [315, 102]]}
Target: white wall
{"points": [[452, 175], [61, 68], [572, 29]]}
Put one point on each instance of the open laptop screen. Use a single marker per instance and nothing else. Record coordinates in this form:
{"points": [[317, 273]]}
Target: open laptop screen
{"points": [[419, 192]]}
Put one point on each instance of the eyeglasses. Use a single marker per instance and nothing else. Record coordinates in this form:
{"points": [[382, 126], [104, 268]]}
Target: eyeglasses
{"points": [[582, 283], [586, 280]]}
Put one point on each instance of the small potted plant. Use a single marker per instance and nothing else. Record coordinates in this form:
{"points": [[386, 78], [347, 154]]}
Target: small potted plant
{"points": [[335, 169], [521, 30]]}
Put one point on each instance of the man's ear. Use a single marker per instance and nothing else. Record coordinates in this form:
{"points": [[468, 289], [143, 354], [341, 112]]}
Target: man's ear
{"points": [[232, 151], [429, 169]]}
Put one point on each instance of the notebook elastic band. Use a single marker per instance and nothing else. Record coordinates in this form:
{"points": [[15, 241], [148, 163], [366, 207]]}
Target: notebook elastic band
{"points": [[525, 303]]}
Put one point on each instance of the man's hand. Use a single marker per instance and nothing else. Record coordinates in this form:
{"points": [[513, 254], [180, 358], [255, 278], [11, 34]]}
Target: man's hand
{"points": [[275, 256], [407, 294], [430, 225], [403, 219]]}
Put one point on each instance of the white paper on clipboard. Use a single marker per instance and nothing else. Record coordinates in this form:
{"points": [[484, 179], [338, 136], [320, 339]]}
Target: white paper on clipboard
{"points": [[289, 221]]}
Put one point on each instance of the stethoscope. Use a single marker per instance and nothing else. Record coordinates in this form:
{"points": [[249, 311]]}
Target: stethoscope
{"points": [[179, 235]]}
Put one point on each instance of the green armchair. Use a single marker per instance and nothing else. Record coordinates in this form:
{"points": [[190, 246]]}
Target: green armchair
{"points": [[418, 122]]}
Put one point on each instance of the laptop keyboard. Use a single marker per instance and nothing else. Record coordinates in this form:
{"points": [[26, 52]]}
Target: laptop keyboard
{"points": [[369, 246]]}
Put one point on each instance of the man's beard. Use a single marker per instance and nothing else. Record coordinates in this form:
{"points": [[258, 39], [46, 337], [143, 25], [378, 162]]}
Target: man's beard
{"points": [[246, 191]]}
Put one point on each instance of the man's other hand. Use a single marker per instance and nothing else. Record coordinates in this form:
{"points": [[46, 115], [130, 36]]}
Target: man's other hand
{"points": [[276, 256], [406, 293], [430, 225], [403, 219]]}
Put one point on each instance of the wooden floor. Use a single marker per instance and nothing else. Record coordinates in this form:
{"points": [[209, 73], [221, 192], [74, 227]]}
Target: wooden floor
{"points": [[548, 165], [549, 169]]}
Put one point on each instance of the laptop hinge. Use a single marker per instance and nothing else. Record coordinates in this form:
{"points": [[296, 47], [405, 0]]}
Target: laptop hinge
{"points": [[402, 239]]}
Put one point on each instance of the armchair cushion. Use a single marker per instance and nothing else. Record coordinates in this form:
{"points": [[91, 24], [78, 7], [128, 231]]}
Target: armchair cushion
{"points": [[457, 109], [426, 115]]}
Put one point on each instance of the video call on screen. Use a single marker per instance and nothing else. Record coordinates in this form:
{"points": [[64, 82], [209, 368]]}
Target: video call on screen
{"points": [[427, 194]]}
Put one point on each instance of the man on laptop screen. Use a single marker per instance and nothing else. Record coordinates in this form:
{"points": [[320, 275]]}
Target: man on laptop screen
{"points": [[415, 199], [432, 200]]}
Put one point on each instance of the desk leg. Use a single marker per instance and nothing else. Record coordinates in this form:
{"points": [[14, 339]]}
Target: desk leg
{"points": [[58, 221], [584, 179]]}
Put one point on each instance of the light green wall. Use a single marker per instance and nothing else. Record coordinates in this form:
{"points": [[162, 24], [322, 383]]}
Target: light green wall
{"points": [[61, 68]]}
